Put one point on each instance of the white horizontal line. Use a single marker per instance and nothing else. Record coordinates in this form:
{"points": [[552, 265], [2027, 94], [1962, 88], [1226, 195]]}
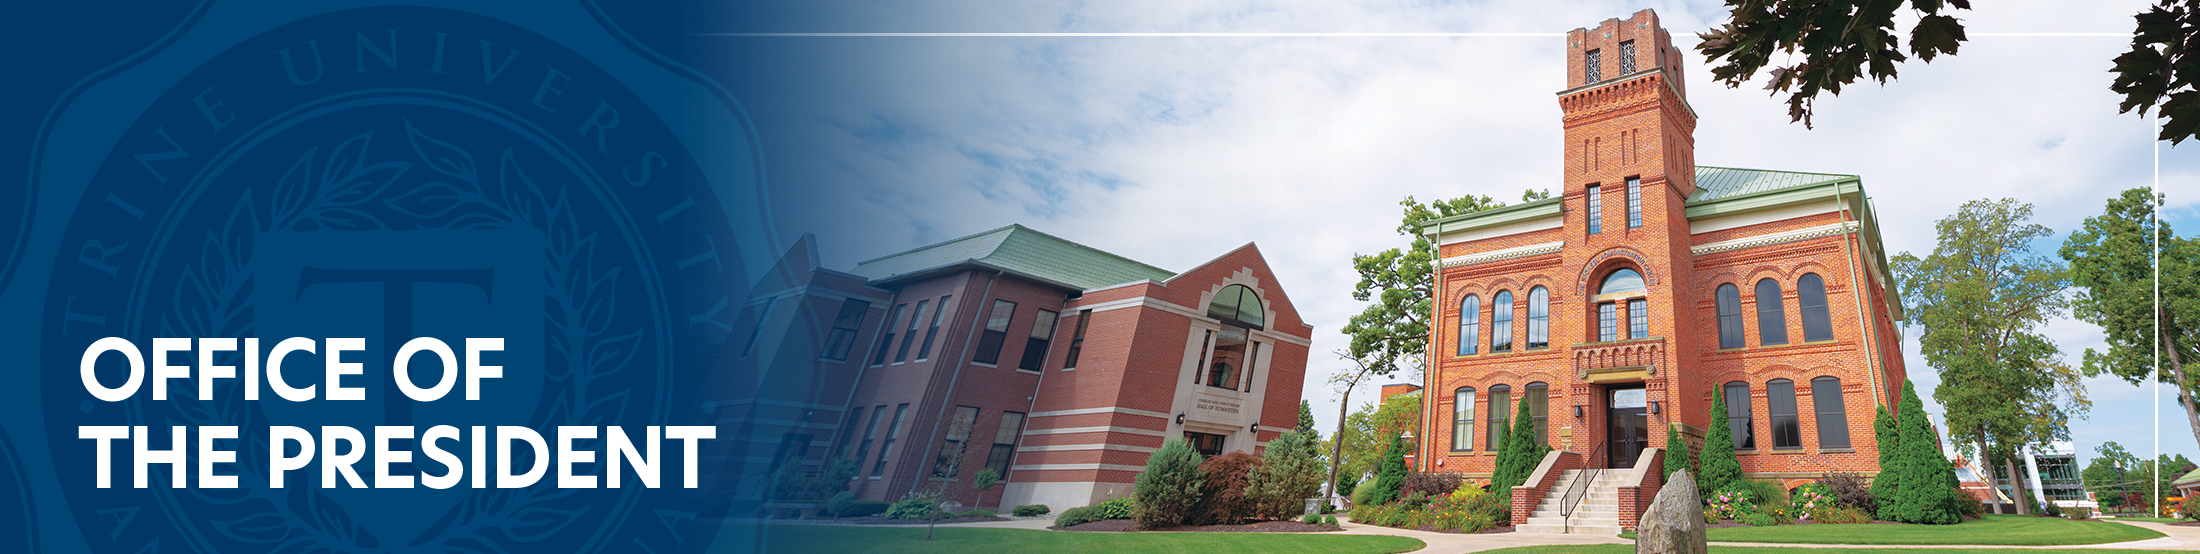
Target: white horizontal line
{"points": [[1131, 35]]}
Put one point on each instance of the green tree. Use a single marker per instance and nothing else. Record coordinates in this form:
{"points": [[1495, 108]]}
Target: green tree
{"points": [[1392, 475], [1887, 486], [1169, 487], [1924, 495], [1313, 442], [1677, 454], [2112, 264], [1519, 452], [1835, 42], [1366, 431], [1286, 478], [1720, 466], [1984, 297]]}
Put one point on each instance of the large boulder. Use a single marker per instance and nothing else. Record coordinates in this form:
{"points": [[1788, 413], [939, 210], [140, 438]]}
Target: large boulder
{"points": [[1674, 522]]}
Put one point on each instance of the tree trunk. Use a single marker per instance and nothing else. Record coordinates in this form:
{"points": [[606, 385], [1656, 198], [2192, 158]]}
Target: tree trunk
{"points": [[1336, 442], [2184, 394], [1985, 466], [2016, 485]]}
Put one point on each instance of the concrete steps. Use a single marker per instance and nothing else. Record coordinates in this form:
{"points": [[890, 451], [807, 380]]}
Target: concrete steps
{"points": [[1596, 511]]}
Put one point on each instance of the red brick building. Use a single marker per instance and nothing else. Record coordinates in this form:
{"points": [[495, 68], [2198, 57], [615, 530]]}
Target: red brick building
{"points": [[1060, 366], [1617, 309]]}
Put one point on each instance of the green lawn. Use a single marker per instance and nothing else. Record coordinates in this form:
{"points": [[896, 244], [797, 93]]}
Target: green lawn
{"points": [[1993, 530], [1630, 549], [2147, 519], [837, 539]]}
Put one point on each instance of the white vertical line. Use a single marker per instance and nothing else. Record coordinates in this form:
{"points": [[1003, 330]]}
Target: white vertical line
{"points": [[2156, 191]]}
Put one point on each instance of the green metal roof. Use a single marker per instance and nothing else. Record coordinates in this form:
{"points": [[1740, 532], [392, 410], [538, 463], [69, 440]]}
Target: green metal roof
{"points": [[1017, 249], [1719, 183], [2194, 475]]}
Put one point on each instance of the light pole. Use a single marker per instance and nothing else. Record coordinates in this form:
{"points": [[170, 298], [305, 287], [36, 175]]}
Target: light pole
{"points": [[2123, 486]]}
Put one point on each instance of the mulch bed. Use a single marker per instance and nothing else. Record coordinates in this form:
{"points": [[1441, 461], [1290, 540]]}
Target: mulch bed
{"points": [[1125, 525], [2185, 524]]}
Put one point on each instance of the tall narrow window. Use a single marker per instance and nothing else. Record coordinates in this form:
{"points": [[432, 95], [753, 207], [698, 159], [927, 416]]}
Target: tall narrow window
{"points": [[1539, 318], [886, 343], [1810, 293], [909, 338], [1470, 325], [1252, 360], [1638, 318], [1607, 322], [1206, 350], [848, 432], [1227, 361], [893, 433], [1592, 67], [1780, 400], [1634, 202], [1729, 300], [763, 317], [1596, 209], [1737, 416], [1627, 57], [1077, 340], [1833, 414], [1772, 325], [1501, 322], [925, 352], [1035, 348], [996, 332], [1500, 411], [948, 463], [1462, 419], [1538, 398], [863, 449], [1004, 443], [845, 325]]}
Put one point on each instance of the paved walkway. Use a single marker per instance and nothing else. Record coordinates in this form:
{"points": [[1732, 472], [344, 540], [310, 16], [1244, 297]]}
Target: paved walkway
{"points": [[1447, 543]]}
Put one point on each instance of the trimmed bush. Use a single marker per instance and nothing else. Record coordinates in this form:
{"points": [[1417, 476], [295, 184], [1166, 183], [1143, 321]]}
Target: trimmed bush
{"points": [[1923, 494], [1842, 514], [1311, 519], [1720, 467], [977, 513], [914, 506], [1432, 485], [1077, 516], [1849, 489], [861, 508], [1031, 510], [1120, 508], [1170, 487], [1222, 495], [1677, 454], [1391, 475], [1286, 478]]}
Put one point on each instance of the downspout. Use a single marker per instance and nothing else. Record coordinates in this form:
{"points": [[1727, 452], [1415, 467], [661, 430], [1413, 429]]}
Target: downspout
{"points": [[1869, 330], [949, 396], [1428, 360]]}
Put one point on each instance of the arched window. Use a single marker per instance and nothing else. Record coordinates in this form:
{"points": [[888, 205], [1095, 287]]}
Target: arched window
{"points": [[1501, 322], [1500, 411], [1729, 299], [1237, 305], [1462, 419], [1470, 325], [1737, 416], [1833, 414], [1787, 432], [1772, 326], [1538, 398], [1810, 292], [1539, 318], [1622, 280]]}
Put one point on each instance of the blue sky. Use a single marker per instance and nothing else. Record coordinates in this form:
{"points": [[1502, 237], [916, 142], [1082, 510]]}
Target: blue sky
{"points": [[1172, 150]]}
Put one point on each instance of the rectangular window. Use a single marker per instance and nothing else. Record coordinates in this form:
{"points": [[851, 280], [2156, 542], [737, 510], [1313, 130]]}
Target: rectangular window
{"points": [[1004, 443], [1500, 411], [1462, 420], [1833, 414], [1592, 67], [909, 338], [845, 325], [1207, 444], [1596, 209], [1627, 57], [886, 342], [893, 433], [1206, 350], [1538, 399], [1470, 325], [1737, 416], [1634, 202], [949, 462], [925, 352], [1035, 348], [848, 432], [1077, 340], [1780, 400], [1227, 360], [863, 449], [763, 317], [1252, 359], [996, 333], [1607, 322], [1638, 318]]}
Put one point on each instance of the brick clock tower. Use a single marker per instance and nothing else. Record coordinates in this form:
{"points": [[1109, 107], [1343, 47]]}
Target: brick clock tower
{"points": [[1618, 310]]}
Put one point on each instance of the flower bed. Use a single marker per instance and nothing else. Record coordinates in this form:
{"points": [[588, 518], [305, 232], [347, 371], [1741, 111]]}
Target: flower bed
{"points": [[1466, 510]]}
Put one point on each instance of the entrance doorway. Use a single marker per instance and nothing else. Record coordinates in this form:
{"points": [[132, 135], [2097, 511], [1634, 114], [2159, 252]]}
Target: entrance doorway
{"points": [[1628, 425]]}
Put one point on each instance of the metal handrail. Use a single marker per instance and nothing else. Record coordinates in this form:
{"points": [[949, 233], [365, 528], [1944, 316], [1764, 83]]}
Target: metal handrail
{"points": [[1567, 504]]}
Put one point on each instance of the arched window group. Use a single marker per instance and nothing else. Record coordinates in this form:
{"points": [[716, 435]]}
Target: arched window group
{"points": [[1501, 321], [1810, 296], [1617, 285], [1784, 422]]}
